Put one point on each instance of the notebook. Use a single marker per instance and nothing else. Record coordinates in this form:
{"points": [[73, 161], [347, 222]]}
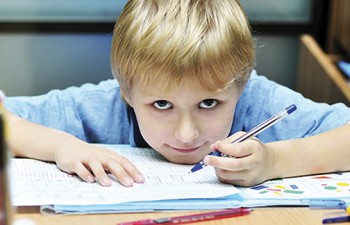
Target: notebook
{"points": [[167, 187]]}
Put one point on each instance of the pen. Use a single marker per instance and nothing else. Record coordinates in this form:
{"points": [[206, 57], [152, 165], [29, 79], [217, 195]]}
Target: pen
{"points": [[215, 215], [255, 131], [325, 203], [336, 217]]}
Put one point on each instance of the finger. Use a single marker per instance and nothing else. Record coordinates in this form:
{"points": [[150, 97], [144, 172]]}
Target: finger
{"points": [[237, 150], [131, 170], [229, 139], [233, 178], [99, 172], [82, 172], [213, 147], [234, 137], [231, 175], [241, 178], [226, 163], [125, 166], [119, 171], [237, 182]]}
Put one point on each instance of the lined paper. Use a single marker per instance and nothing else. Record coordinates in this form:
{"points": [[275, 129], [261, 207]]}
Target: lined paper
{"points": [[41, 183]]}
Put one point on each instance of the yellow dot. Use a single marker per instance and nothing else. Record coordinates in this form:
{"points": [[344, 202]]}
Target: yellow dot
{"points": [[280, 187], [348, 210], [343, 184]]}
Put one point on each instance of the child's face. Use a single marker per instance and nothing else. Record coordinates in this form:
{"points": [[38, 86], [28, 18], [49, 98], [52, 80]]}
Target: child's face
{"points": [[182, 125]]}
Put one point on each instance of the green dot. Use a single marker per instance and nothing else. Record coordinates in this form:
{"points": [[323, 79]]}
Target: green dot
{"points": [[330, 188], [293, 191]]}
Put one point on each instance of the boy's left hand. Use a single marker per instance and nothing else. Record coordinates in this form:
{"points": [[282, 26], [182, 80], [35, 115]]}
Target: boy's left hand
{"points": [[250, 164]]}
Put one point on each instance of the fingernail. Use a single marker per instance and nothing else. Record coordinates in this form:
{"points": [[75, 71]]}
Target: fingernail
{"points": [[140, 178], [105, 181], [128, 182], [206, 160], [90, 179]]}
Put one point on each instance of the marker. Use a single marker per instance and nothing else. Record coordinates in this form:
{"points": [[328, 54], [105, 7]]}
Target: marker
{"points": [[255, 131], [200, 217], [336, 217]]}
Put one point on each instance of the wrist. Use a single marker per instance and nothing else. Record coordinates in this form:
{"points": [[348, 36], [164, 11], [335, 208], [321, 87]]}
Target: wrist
{"points": [[63, 143], [277, 159]]}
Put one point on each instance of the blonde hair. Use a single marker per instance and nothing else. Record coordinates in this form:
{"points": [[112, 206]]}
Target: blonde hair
{"points": [[168, 41]]}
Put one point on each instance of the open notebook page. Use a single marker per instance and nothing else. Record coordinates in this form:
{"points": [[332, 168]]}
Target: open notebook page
{"points": [[40, 183]]}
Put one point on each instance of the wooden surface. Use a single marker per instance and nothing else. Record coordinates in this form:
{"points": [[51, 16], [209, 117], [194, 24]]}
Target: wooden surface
{"points": [[339, 27], [259, 216], [318, 77]]}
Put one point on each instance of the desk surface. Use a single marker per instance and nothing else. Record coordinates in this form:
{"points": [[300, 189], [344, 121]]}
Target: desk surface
{"points": [[259, 216]]}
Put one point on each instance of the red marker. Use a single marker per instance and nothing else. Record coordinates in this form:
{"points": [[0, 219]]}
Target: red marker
{"points": [[215, 215]]}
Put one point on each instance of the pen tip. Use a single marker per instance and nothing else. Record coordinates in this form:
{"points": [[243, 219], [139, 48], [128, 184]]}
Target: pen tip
{"points": [[291, 109]]}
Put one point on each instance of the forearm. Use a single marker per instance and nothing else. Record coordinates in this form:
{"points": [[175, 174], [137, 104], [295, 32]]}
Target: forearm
{"points": [[72, 155], [326, 152], [27, 139]]}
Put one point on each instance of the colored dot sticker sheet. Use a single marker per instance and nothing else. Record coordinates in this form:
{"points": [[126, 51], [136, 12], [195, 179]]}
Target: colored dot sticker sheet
{"points": [[327, 186]]}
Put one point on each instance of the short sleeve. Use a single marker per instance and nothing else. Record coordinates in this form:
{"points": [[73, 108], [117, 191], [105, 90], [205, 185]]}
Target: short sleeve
{"points": [[93, 113], [262, 98]]}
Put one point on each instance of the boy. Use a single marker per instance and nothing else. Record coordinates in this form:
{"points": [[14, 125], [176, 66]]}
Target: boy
{"points": [[187, 87]]}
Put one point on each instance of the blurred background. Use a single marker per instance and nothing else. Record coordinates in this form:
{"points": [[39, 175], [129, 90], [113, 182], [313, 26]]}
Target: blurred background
{"points": [[47, 44]]}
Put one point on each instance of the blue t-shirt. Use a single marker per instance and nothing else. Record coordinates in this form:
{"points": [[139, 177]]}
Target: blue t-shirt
{"points": [[97, 114]]}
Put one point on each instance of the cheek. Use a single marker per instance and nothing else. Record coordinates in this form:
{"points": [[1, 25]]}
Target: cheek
{"points": [[220, 128], [219, 125], [152, 129]]}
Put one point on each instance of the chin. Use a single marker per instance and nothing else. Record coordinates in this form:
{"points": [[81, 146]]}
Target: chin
{"points": [[183, 159]]}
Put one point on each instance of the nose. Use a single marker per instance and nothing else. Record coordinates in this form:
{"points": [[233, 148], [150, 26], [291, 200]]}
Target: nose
{"points": [[186, 130]]}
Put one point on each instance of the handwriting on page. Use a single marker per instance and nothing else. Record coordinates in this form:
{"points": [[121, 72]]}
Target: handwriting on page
{"points": [[40, 183]]}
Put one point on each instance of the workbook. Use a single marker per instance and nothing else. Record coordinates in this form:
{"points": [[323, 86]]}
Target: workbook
{"points": [[167, 187]]}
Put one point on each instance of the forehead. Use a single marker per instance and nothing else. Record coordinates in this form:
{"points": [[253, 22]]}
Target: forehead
{"points": [[166, 82], [156, 88]]}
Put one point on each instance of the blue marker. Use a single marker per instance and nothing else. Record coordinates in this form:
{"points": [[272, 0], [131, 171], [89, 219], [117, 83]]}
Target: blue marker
{"points": [[336, 217], [255, 131]]}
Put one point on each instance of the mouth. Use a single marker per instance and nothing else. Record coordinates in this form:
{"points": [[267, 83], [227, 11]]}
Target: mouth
{"points": [[186, 150]]}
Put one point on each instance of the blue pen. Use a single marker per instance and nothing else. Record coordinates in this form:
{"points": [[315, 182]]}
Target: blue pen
{"points": [[336, 217], [325, 203], [255, 131]]}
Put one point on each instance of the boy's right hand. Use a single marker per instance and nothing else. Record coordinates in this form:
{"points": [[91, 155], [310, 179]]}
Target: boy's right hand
{"points": [[72, 155], [92, 163]]}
